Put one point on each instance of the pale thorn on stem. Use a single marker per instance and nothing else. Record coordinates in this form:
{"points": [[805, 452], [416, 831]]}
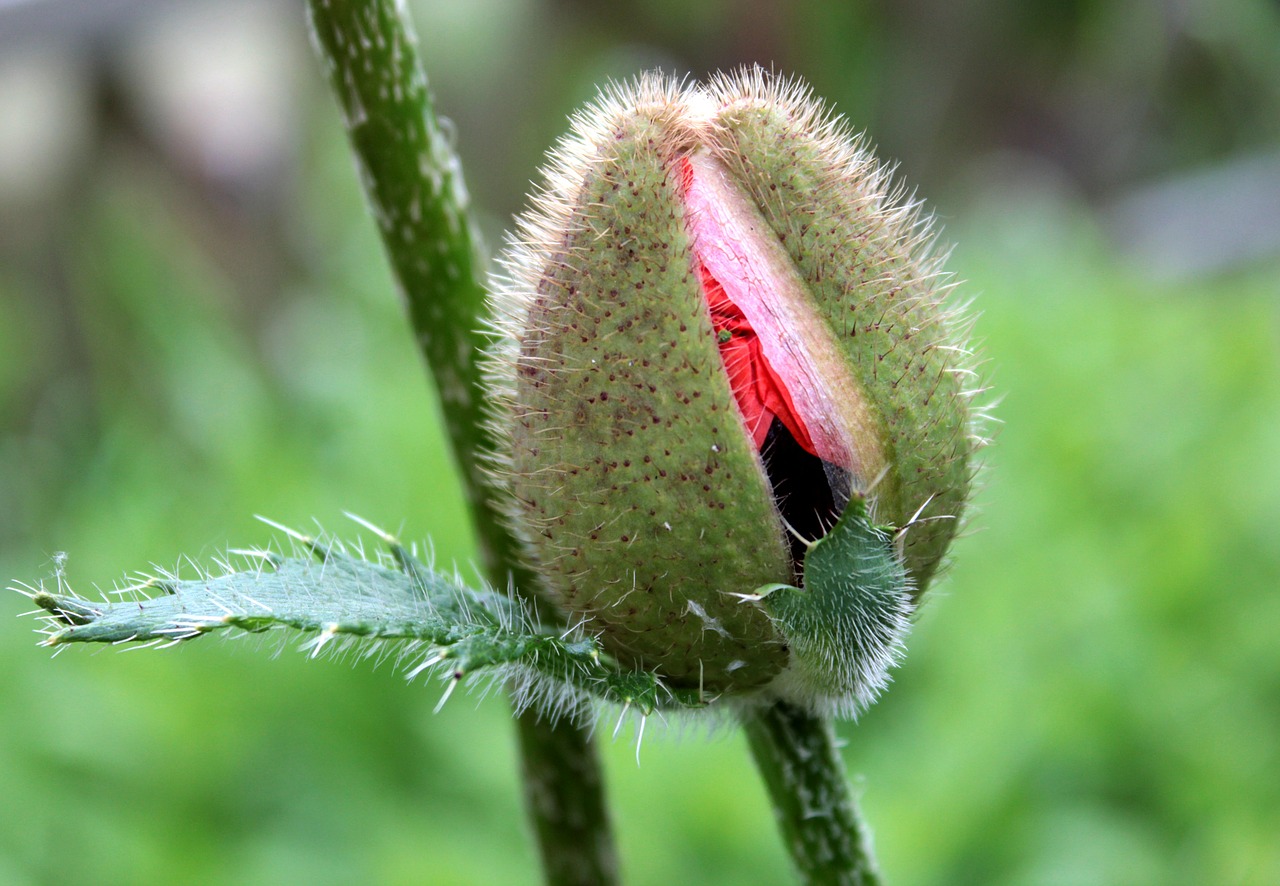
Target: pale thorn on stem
{"points": [[916, 520], [383, 534], [808, 543], [292, 533], [453, 684], [430, 662], [264, 558], [617, 727], [761, 592]]}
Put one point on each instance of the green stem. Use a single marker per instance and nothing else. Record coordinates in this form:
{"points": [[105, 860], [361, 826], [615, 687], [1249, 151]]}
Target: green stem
{"points": [[564, 796], [796, 754], [414, 184]]}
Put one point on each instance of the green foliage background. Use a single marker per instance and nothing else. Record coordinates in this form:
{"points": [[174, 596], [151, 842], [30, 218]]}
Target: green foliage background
{"points": [[1092, 695]]}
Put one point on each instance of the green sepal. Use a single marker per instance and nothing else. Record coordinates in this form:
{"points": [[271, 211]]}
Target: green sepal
{"points": [[846, 625], [876, 277], [644, 501]]}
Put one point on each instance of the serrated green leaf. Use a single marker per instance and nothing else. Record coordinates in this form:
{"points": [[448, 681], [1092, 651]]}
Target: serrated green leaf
{"points": [[396, 606]]}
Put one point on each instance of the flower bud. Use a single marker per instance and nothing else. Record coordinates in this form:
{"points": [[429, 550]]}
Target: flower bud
{"points": [[719, 331]]}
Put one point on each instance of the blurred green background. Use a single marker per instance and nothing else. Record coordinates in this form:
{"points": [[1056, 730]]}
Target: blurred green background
{"points": [[196, 326]]}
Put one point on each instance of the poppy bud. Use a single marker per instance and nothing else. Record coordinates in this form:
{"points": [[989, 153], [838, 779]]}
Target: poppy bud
{"points": [[719, 330]]}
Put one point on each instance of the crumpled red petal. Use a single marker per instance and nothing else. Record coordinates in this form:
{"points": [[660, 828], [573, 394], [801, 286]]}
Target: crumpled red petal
{"points": [[760, 393]]}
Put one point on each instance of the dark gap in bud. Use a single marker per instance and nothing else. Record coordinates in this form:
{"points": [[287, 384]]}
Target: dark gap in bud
{"points": [[800, 488]]}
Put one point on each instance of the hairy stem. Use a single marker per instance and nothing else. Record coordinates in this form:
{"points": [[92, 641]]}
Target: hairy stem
{"points": [[414, 184], [796, 754]]}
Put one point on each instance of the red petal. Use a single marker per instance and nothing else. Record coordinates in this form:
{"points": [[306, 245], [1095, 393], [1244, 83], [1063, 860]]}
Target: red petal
{"points": [[759, 391]]}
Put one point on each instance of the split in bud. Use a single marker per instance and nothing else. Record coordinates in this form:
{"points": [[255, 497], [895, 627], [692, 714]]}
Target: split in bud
{"points": [[720, 332]]}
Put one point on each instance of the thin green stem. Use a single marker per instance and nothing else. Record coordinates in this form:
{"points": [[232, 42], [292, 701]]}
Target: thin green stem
{"points": [[796, 754], [577, 851], [414, 184]]}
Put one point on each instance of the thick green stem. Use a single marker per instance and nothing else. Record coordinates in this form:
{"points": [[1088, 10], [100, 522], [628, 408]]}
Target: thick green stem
{"points": [[415, 189], [796, 754], [414, 184]]}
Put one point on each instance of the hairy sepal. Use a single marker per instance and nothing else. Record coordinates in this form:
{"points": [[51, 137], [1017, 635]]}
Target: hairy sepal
{"points": [[644, 502], [846, 626], [869, 257], [633, 474]]}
